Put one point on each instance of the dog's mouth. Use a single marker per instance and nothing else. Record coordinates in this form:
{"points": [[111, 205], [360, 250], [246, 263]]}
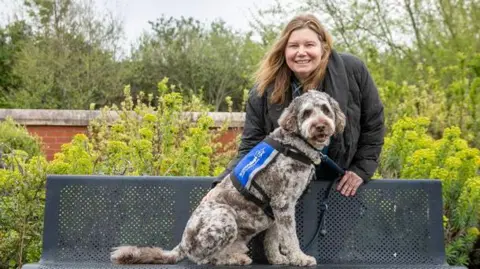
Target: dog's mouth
{"points": [[320, 137]]}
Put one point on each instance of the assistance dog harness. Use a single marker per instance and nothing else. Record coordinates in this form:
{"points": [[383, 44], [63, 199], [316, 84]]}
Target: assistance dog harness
{"points": [[257, 159], [262, 155]]}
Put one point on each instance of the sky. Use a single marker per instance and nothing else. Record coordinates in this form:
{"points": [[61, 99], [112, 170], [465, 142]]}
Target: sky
{"points": [[135, 14]]}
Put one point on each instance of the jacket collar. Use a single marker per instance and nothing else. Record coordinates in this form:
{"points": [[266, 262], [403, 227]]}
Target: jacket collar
{"points": [[336, 80]]}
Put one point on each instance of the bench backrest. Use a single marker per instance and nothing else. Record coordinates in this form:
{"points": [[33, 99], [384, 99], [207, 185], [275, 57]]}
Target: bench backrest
{"points": [[387, 222]]}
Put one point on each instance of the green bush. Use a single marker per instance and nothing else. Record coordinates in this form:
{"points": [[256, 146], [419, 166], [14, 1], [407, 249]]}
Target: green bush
{"points": [[446, 95], [22, 181], [411, 153], [147, 139], [22, 200], [15, 136]]}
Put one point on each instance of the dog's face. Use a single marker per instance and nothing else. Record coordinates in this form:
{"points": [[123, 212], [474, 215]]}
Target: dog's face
{"points": [[315, 116]]}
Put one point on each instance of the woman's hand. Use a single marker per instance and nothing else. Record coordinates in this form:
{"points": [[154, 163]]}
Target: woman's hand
{"points": [[349, 184]]}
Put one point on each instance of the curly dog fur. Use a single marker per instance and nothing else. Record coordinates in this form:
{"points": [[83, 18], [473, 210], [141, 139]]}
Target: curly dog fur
{"points": [[225, 221]]}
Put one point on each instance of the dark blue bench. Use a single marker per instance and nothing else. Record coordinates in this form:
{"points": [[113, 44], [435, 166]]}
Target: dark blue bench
{"points": [[388, 224]]}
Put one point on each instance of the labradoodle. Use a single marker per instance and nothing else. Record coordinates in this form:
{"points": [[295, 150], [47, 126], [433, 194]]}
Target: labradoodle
{"points": [[225, 221]]}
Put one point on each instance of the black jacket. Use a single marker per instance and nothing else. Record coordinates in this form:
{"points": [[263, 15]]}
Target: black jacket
{"points": [[348, 81]]}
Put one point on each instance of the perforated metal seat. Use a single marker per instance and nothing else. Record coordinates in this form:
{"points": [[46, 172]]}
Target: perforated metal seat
{"points": [[388, 224]]}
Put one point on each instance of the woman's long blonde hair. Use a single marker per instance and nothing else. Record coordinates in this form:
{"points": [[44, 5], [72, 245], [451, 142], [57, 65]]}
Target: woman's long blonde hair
{"points": [[274, 69]]}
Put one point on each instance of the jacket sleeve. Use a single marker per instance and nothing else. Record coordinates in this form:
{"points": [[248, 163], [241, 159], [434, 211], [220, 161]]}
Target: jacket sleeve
{"points": [[253, 130], [372, 127]]}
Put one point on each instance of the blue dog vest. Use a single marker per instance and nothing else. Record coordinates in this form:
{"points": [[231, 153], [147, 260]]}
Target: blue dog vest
{"points": [[243, 175], [252, 163]]}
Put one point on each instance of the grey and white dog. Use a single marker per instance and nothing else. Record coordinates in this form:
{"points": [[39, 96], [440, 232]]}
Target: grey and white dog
{"points": [[225, 221]]}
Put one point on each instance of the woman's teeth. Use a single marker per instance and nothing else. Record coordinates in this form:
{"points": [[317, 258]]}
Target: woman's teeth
{"points": [[303, 62]]}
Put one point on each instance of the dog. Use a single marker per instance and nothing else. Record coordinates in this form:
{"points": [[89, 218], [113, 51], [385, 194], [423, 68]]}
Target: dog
{"points": [[220, 228]]}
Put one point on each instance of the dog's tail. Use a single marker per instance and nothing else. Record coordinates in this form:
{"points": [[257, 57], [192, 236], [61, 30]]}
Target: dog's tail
{"points": [[146, 255]]}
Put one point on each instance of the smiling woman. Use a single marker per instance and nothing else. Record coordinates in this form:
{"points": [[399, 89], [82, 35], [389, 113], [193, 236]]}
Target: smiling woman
{"points": [[303, 52], [303, 59]]}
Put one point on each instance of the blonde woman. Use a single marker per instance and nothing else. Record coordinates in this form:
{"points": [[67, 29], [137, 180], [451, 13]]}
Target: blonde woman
{"points": [[303, 58]]}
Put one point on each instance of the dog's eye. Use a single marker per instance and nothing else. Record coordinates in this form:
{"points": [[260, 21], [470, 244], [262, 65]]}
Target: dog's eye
{"points": [[326, 110], [306, 113]]}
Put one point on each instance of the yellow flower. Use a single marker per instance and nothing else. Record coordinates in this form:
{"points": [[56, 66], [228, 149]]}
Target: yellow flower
{"points": [[473, 231]]}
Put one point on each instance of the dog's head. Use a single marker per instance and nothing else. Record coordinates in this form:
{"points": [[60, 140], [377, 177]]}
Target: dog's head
{"points": [[315, 116]]}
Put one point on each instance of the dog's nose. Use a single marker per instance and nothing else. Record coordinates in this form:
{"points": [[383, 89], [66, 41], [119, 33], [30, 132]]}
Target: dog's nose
{"points": [[320, 128]]}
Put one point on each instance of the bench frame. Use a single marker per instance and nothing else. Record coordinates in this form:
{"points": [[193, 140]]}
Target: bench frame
{"points": [[388, 224]]}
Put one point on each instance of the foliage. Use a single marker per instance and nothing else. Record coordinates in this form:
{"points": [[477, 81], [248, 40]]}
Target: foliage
{"points": [[411, 153], [15, 136], [22, 200], [146, 139], [67, 59], [210, 61], [12, 37]]}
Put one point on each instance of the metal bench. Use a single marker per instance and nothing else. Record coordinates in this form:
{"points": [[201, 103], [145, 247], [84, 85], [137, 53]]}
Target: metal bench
{"points": [[388, 224]]}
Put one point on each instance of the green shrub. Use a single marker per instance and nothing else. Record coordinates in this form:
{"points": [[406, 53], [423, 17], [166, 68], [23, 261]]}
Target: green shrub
{"points": [[411, 153], [145, 139], [22, 182], [447, 96], [15, 136], [22, 199]]}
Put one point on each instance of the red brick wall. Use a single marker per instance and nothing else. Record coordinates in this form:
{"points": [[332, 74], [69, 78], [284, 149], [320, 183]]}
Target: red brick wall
{"points": [[53, 137]]}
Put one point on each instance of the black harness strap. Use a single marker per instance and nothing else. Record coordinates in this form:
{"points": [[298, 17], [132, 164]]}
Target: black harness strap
{"points": [[263, 204], [287, 151]]}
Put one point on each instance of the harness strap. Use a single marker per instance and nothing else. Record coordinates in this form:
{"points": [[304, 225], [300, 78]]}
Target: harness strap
{"points": [[264, 205], [288, 151]]}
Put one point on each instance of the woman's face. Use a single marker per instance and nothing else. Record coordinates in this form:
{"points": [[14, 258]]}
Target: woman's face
{"points": [[303, 52]]}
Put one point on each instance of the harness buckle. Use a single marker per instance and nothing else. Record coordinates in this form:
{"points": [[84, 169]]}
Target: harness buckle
{"points": [[323, 206]]}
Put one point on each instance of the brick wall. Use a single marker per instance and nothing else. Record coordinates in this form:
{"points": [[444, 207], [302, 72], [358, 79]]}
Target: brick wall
{"points": [[57, 127], [53, 137]]}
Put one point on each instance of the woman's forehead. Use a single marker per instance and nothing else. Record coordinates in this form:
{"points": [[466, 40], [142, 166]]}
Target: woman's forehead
{"points": [[303, 34]]}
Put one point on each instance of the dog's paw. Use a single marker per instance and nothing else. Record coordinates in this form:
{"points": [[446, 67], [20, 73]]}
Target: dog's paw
{"points": [[301, 259], [278, 259]]}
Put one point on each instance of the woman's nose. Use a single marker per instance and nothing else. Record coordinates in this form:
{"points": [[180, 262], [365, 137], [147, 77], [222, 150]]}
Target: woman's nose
{"points": [[301, 50]]}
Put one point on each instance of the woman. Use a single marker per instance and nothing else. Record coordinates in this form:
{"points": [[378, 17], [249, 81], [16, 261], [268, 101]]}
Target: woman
{"points": [[303, 58]]}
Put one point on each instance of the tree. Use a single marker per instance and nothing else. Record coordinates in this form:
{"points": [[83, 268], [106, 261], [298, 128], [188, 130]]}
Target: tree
{"points": [[12, 39], [213, 62], [70, 62]]}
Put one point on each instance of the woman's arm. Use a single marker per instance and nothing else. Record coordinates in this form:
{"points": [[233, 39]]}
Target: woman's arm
{"points": [[372, 128]]}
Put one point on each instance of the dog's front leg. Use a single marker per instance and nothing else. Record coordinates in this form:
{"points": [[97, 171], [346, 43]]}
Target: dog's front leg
{"points": [[287, 234], [272, 246]]}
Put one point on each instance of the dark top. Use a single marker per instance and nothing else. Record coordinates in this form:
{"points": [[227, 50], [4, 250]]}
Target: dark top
{"points": [[348, 81]]}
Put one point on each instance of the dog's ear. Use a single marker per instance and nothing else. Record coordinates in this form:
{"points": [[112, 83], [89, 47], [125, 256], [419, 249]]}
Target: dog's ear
{"points": [[339, 116], [288, 119]]}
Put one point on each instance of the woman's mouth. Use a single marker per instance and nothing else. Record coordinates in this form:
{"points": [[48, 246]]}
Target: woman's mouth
{"points": [[302, 62]]}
